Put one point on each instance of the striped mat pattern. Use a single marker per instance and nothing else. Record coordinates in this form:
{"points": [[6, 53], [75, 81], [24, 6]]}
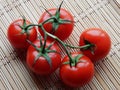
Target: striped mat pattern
{"points": [[14, 73]]}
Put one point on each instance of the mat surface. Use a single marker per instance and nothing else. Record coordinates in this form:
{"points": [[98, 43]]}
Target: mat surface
{"points": [[14, 73]]}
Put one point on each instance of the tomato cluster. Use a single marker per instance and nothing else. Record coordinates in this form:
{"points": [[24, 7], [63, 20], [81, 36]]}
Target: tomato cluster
{"points": [[43, 53]]}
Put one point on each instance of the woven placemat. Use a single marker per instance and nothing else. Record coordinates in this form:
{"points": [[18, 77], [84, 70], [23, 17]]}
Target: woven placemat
{"points": [[14, 73]]}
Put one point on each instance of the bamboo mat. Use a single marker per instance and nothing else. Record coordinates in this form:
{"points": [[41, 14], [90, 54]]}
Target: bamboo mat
{"points": [[14, 73]]}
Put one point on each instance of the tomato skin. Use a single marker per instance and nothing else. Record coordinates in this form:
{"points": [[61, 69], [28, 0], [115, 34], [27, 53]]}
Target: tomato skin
{"points": [[16, 38], [79, 75], [64, 30], [42, 67], [100, 39]]}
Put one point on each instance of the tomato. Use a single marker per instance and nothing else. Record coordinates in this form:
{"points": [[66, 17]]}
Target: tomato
{"points": [[17, 36], [78, 75], [101, 41], [64, 28], [41, 66]]}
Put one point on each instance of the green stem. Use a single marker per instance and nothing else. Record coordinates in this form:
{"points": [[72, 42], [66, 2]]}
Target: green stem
{"points": [[44, 31], [63, 44], [42, 23], [79, 47], [56, 38], [31, 25], [49, 20], [68, 53], [45, 38]]}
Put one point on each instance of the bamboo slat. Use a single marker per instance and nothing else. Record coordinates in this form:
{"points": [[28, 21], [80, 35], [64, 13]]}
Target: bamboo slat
{"points": [[105, 14]]}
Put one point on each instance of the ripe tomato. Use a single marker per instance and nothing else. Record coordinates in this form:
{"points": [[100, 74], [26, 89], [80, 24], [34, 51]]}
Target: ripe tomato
{"points": [[78, 75], [64, 29], [41, 65], [101, 41], [18, 36]]}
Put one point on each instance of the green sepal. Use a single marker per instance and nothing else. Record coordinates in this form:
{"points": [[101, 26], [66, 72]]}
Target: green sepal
{"points": [[25, 28], [50, 21], [40, 38], [52, 51], [81, 61], [36, 58], [78, 57], [62, 21], [57, 14], [29, 28], [23, 31], [24, 21], [48, 12], [68, 62], [74, 61], [46, 56], [32, 45], [92, 50], [86, 42], [54, 27], [55, 23], [91, 47], [50, 45]]}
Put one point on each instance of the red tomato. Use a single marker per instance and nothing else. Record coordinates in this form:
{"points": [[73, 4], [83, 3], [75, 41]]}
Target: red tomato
{"points": [[41, 65], [78, 75], [100, 39], [64, 30], [17, 38]]}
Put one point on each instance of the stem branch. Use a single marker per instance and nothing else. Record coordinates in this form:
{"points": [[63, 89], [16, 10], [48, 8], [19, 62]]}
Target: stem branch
{"points": [[63, 44], [79, 47]]}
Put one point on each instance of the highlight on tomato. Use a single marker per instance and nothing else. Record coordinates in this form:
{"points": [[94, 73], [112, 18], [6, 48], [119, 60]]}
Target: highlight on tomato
{"points": [[99, 43], [18, 33], [43, 57], [61, 24], [76, 72]]}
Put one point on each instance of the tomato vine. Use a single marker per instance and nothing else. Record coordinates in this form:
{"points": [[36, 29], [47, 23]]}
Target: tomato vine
{"points": [[43, 55]]}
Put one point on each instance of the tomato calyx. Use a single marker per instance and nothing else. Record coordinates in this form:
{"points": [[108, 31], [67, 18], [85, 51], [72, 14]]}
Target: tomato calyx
{"points": [[91, 46], [25, 28], [73, 62], [43, 51], [55, 20]]}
